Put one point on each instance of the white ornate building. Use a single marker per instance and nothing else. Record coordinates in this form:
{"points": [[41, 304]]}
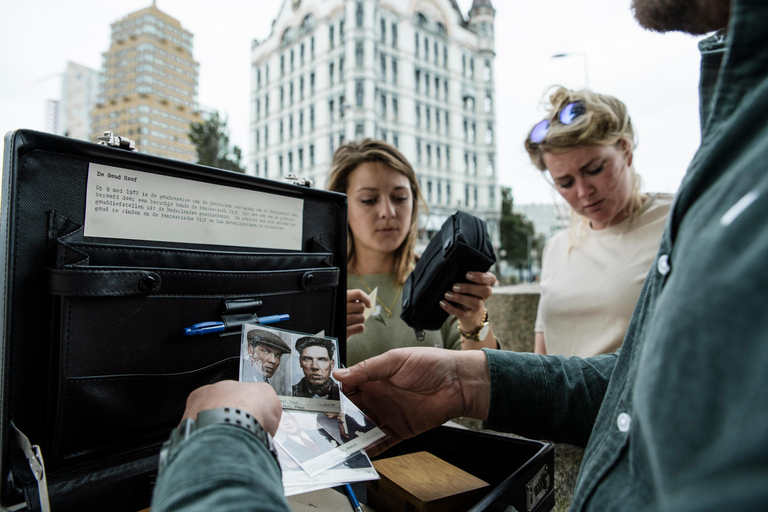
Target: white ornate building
{"points": [[416, 73]]}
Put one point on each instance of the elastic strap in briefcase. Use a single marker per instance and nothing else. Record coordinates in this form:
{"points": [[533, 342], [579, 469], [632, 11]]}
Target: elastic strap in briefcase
{"points": [[36, 464]]}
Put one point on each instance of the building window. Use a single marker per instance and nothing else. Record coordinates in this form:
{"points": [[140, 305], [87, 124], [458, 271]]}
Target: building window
{"points": [[437, 120], [489, 167], [417, 79], [418, 151], [330, 37], [466, 163], [447, 193], [266, 171], [473, 132], [311, 118], [395, 113], [396, 140], [437, 58], [466, 130], [488, 103], [383, 66], [341, 68], [445, 56], [359, 93], [290, 161], [359, 13], [426, 84], [394, 70], [492, 196], [429, 186], [266, 141], [416, 43], [308, 23], [437, 88], [359, 130], [290, 125], [341, 31], [428, 116], [282, 97], [418, 116], [290, 94], [429, 155], [438, 158], [394, 35], [330, 110], [473, 170], [466, 195], [472, 67], [489, 134], [311, 154], [280, 164], [291, 59], [383, 31], [301, 158], [439, 190], [301, 122], [301, 54], [281, 131], [282, 65], [447, 127], [312, 47], [312, 83], [487, 71], [330, 73], [383, 105], [426, 48], [359, 53]]}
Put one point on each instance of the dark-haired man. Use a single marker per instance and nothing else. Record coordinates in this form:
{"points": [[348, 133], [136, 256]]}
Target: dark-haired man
{"points": [[316, 361]]}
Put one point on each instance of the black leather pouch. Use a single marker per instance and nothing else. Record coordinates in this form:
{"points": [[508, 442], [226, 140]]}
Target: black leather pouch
{"points": [[462, 245]]}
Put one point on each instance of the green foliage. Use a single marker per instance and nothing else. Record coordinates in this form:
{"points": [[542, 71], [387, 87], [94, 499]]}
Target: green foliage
{"points": [[517, 234], [211, 138]]}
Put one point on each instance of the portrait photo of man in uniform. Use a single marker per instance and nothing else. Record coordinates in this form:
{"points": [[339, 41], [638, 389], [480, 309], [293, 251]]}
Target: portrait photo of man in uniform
{"points": [[261, 360], [316, 362]]}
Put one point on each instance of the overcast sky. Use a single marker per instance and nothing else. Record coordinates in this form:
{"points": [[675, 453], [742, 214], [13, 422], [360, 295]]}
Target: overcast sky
{"points": [[656, 75]]}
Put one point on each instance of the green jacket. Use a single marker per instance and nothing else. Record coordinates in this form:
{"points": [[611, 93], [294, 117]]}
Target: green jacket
{"points": [[678, 418]]}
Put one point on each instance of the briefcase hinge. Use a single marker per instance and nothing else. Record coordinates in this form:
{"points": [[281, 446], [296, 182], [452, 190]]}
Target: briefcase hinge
{"points": [[116, 141], [297, 180], [36, 464]]}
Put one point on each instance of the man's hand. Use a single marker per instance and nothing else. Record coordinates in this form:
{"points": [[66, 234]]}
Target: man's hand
{"points": [[256, 398], [357, 301], [411, 390]]}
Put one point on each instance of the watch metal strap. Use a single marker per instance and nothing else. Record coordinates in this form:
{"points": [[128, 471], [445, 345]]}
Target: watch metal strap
{"points": [[223, 416]]}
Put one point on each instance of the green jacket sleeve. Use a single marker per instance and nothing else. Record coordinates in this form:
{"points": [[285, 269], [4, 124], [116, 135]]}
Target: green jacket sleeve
{"points": [[220, 468], [547, 397]]}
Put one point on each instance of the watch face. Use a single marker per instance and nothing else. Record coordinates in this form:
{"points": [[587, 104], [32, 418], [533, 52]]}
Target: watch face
{"points": [[484, 331], [296, 4]]}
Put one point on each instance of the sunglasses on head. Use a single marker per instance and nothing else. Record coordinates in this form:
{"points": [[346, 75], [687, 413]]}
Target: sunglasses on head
{"points": [[567, 115]]}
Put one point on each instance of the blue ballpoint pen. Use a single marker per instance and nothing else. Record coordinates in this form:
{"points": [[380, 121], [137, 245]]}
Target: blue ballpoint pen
{"points": [[214, 327], [353, 499]]}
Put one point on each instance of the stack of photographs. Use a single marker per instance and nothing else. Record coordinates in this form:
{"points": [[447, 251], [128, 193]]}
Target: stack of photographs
{"points": [[322, 435]]}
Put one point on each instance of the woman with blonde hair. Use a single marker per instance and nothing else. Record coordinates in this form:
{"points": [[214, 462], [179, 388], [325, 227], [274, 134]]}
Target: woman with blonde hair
{"points": [[384, 200], [593, 272]]}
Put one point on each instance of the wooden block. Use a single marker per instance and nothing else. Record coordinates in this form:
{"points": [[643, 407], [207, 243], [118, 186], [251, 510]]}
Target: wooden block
{"points": [[421, 482]]}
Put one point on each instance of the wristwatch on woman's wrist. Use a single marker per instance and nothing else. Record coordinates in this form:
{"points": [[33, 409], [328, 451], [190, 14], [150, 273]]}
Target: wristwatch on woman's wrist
{"points": [[223, 415], [481, 332]]}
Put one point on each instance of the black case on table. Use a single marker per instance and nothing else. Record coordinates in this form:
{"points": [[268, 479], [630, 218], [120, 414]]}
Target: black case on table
{"points": [[95, 369], [520, 471], [461, 245]]}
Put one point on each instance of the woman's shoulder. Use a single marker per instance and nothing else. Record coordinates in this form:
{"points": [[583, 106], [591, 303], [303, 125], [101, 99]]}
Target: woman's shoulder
{"points": [[657, 205]]}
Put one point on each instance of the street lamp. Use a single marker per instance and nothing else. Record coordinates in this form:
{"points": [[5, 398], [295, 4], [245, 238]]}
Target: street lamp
{"points": [[576, 54]]}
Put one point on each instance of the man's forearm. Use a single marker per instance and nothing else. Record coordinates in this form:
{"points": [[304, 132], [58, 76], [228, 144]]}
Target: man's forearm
{"points": [[472, 374], [222, 468]]}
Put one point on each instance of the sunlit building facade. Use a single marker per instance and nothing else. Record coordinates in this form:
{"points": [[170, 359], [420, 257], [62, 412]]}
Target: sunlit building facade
{"points": [[149, 85]]}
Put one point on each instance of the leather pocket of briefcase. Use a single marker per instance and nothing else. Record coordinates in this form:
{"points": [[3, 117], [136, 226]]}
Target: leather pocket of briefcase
{"points": [[125, 367]]}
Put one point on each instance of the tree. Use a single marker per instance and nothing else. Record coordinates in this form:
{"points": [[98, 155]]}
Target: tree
{"points": [[518, 236], [211, 138]]}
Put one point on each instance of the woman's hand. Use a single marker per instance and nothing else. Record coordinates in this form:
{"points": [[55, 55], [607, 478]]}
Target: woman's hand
{"points": [[357, 301], [469, 306]]}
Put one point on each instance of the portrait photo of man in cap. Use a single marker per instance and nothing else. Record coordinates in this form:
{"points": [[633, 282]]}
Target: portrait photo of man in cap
{"points": [[261, 359], [316, 361]]}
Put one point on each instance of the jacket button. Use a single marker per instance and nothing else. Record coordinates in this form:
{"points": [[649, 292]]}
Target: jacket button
{"points": [[623, 422], [663, 264]]}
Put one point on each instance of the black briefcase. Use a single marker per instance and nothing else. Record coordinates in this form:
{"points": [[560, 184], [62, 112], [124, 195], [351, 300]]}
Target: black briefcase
{"points": [[462, 245], [108, 255]]}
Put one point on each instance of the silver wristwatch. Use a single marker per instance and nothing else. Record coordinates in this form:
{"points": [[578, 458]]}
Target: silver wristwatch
{"points": [[223, 415]]}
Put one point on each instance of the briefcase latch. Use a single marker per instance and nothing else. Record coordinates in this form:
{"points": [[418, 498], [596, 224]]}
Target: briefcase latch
{"points": [[298, 180], [537, 488], [116, 141]]}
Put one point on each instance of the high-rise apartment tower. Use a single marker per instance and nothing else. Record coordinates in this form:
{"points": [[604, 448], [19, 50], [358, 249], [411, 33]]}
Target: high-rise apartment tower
{"points": [[149, 89], [415, 73]]}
